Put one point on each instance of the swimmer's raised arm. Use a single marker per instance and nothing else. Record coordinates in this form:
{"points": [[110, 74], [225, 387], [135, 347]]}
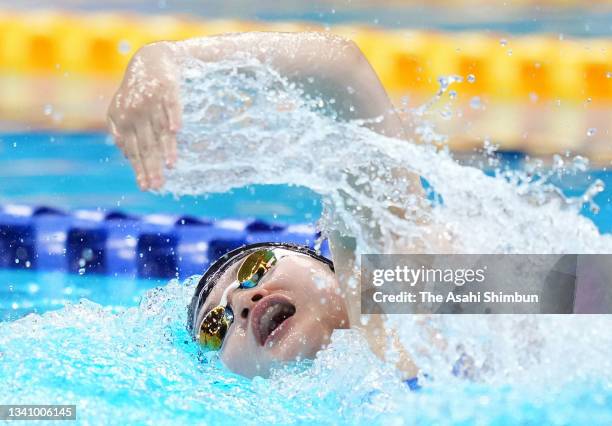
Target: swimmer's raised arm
{"points": [[145, 114]]}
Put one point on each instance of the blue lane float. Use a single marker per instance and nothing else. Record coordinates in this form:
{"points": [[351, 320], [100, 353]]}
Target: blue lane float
{"points": [[118, 244]]}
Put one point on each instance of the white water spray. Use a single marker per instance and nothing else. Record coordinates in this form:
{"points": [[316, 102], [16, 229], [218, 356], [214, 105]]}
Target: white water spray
{"points": [[245, 124]]}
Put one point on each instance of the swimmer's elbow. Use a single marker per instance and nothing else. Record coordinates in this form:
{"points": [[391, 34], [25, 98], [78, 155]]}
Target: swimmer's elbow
{"points": [[153, 50], [327, 46], [349, 52], [352, 58]]}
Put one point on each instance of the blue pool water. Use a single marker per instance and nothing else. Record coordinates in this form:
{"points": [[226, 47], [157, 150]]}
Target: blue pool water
{"points": [[84, 170], [24, 292], [139, 366], [124, 358]]}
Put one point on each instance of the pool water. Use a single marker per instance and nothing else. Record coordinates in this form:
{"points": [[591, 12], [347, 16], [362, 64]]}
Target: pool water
{"points": [[139, 366], [24, 292], [85, 170], [118, 348]]}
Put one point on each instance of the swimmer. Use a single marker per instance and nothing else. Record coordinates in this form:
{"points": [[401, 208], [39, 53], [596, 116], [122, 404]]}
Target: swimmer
{"points": [[266, 303]]}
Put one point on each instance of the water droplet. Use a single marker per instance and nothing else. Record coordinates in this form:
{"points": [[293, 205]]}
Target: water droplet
{"points": [[364, 319], [591, 132], [471, 78], [58, 117], [452, 94], [598, 186], [489, 147], [48, 109], [475, 102], [124, 47], [87, 254], [503, 42], [82, 262], [580, 163], [81, 271], [609, 74]]}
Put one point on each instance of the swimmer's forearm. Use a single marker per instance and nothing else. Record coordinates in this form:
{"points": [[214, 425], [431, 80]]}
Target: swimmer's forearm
{"points": [[144, 116], [325, 64]]}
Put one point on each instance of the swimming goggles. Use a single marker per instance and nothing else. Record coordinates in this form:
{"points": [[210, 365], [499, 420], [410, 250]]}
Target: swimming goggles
{"points": [[217, 321]]}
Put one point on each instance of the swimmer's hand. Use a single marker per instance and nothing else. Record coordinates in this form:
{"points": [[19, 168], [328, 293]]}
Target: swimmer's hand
{"points": [[145, 114]]}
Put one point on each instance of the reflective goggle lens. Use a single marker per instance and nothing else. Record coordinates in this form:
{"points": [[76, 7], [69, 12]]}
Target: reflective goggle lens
{"points": [[216, 322], [254, 267], [215, 326]]}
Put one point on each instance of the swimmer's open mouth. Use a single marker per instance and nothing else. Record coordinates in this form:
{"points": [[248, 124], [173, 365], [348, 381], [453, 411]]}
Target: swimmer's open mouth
{"points": [[269, 317]]}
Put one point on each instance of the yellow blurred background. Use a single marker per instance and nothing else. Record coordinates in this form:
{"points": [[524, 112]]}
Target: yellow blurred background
{"points": [[535, 92]]}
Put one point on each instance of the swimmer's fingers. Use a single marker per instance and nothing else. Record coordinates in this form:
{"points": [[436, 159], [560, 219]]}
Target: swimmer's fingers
{"points": [[173, 111], [163, 134], [114, 131], [159, 123], [133, 154], [150, 154], [168, 141], [117, 135]]}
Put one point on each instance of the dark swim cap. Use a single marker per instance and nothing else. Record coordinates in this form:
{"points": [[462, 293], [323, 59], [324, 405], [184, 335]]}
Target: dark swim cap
{"points": [[219, 266]]}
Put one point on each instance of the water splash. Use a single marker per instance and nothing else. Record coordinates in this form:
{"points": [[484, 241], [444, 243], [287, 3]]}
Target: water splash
{"points": [[244, 123], [139, 366]]}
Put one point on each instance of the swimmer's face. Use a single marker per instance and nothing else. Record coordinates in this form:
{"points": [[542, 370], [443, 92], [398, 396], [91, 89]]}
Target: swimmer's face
{"points": [[289, 315]]}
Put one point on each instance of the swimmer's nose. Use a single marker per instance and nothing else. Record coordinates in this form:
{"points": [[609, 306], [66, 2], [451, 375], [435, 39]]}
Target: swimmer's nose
{"points": [[243, 301]]}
